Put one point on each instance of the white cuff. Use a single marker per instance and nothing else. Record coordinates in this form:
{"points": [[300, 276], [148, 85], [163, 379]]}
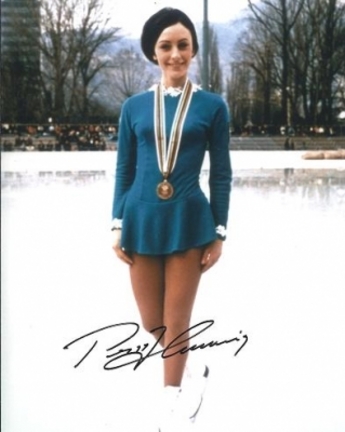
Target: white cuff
{"points": [[220, 230]]}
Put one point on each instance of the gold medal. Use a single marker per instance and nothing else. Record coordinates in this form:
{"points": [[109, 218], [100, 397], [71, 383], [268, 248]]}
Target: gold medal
{"points": [[167, 154], [165, 190]]}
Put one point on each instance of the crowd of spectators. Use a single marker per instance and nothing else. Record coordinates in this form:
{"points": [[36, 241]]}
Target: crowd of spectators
{"points": [[94, 137], [58, 138]]}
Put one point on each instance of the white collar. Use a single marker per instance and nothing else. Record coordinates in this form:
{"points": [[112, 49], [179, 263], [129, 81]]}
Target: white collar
{"points": [[175, 91]]}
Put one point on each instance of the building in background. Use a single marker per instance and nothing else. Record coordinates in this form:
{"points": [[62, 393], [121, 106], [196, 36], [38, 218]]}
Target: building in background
{"points": [[20, 59]]}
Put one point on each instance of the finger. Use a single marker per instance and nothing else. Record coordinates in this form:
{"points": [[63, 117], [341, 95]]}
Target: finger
{"points": [[210, 260], [207, 266], [206, 261], [205, 257], [122, 255], [125, 258]]}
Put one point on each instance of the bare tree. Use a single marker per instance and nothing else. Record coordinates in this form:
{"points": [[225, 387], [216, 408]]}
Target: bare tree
{"points": [[128, 73], [278, 17], [297, 53], [304, 60], [332, 51], [317, 59], [72, 34], [92, 34], [258, 50], [57, 45], [239, 94]]}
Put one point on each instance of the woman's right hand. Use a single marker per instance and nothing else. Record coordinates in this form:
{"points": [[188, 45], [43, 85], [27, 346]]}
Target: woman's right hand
{"points": [[120, 253]]}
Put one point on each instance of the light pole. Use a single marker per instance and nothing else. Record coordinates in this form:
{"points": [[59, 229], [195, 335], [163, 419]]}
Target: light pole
{"points": [[205, 69]]}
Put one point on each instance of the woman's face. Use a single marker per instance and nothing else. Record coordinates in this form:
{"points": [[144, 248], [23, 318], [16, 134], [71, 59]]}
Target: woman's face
{"points": [[174, 52]]}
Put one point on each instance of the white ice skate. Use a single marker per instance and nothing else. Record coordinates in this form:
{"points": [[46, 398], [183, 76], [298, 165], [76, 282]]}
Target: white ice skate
{"points": [[193, 389]]}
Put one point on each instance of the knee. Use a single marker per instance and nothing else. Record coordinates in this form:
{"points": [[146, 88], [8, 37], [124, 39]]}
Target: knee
{"points": [[177, 324], [151, 323]]}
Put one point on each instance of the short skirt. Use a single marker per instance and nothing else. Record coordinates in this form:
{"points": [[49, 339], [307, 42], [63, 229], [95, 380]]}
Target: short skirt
{"points": [[165, 227]]}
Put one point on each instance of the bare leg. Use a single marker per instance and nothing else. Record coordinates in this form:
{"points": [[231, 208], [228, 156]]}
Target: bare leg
{"points": [[165, 289], [147, 277], [182, 276]]}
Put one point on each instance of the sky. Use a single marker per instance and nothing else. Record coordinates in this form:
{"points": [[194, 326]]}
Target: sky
{"points": [[131, 15]]}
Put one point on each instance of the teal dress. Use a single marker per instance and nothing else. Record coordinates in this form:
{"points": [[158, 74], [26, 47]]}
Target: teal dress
{"points": [[151, 225]]}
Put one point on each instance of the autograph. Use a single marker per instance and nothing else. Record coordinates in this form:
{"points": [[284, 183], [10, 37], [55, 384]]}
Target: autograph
{"points": [[119, 356]]}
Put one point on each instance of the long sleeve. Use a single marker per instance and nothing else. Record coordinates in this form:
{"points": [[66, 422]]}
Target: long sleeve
{"points": [[126, 161], [220, 168]]}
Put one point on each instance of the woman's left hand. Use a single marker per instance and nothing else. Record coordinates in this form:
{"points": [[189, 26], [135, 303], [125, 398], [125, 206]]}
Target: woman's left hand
{"points": [[211, 255]]}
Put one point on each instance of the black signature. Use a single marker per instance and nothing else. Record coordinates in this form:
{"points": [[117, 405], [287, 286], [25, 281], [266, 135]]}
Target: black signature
{"points": [[119, 357]]}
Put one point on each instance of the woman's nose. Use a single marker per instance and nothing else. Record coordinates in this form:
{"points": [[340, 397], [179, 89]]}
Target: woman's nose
{"points": [[175, 52]]}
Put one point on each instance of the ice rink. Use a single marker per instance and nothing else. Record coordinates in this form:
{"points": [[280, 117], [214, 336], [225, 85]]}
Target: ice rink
{"points": [[280, 281]]}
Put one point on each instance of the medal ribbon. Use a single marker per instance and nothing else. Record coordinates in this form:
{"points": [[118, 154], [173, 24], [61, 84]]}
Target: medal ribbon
{"points": [[167, 156]]}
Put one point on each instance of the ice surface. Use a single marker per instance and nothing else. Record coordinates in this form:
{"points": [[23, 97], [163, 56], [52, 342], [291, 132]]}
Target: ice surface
{"points": [[280, 281]]}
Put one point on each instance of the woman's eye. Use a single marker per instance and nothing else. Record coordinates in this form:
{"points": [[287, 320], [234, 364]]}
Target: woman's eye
{"points": [[183, 45], [165, 47]]}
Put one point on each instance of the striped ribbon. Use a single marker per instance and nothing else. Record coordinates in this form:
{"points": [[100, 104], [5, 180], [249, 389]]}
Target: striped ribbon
{"points": [[167, 156]]}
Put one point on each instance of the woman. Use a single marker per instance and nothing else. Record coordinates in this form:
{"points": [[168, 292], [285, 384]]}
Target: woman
{"points": [[165, 228]]}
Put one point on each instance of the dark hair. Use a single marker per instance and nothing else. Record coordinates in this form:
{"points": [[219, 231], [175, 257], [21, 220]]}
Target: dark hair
{"points": [[162, 19]]}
